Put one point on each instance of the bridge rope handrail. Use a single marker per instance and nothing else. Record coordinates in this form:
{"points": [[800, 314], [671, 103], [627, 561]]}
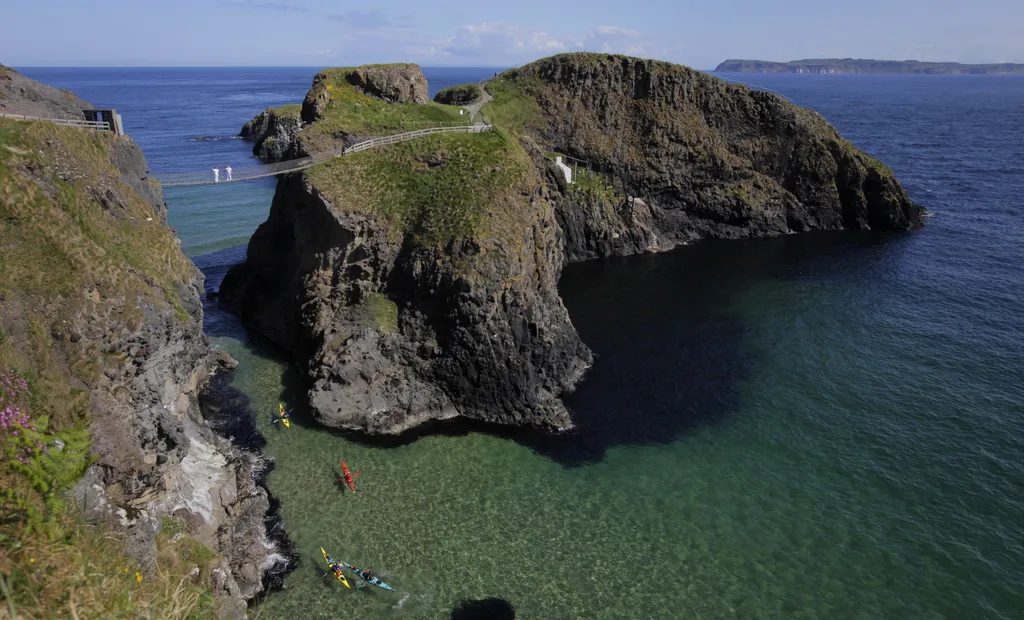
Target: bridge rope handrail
{"points": [[176, 179], [437, 123], [101, 125]]}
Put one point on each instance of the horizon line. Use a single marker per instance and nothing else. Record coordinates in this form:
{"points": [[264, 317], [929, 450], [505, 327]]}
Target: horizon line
{"points": [[241, 66]]}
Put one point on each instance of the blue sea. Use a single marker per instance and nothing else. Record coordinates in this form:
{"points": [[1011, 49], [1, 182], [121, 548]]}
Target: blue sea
{"points": [[822, 426]]}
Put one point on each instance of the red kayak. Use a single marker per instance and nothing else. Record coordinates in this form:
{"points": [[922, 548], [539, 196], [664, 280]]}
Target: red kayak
{"points": [[348, 477]]}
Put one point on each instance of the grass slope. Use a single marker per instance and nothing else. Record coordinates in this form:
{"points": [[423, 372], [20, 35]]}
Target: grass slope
{"points": [[64, 253], [350, 111], [77, 249], [438, 189]]}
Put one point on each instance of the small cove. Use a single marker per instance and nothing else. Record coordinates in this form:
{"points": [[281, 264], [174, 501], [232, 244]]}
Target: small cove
{"points": [[819, 426]]}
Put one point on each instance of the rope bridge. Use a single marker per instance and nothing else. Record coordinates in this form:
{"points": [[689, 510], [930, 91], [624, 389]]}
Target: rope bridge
{"points": [[172, 179]]}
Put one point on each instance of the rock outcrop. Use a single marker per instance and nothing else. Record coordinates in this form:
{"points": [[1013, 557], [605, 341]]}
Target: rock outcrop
{"points": [[705, 158], [419, 283], [20, 95], [459, 95], [100, 303], [395, 83], [274, 131], [392, 326]]}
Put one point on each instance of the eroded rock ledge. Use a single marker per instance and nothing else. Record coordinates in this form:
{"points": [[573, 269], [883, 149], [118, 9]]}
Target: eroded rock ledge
{"points": [[419, 283]]}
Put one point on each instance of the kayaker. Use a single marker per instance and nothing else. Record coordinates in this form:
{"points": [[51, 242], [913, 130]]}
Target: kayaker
{"points": [[368, 575]]}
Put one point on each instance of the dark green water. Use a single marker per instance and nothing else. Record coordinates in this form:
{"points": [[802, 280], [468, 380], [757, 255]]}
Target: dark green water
{"points": [[762, 436]]}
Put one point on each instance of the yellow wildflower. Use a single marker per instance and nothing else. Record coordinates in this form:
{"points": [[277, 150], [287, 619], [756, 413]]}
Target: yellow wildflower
{"points": [[138, 577], [31, 560]]}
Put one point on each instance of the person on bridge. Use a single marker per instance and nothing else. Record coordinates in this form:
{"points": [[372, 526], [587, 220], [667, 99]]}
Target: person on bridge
{"points": [[216, 175], [228, 170]]}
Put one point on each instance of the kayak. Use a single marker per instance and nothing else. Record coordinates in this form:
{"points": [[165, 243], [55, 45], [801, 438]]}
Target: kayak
{"points": [[373, 580], [335, 568], [284, 419], [348, 476]]}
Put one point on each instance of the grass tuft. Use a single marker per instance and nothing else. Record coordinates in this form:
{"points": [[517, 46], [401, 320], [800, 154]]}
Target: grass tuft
{"points": [[74, 570], [383, 312]]}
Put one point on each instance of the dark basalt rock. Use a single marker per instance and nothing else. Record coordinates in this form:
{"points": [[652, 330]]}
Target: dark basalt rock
{"points": [[392, 334], [459, 95], [274, 131]]}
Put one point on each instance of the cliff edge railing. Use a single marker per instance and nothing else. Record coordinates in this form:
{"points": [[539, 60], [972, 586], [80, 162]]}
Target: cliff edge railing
{"points": [[175, 179], [100, 125]]}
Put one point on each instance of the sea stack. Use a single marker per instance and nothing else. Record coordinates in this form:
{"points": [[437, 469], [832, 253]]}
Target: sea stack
{"points": [[417, 281]]}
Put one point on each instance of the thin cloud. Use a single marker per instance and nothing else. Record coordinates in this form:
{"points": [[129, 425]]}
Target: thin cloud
{"points": [[373, 19], [514, 43], [615, 40], [491, 39], [267, 5]]}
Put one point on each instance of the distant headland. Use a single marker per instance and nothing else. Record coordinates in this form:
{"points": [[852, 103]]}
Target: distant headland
{"points": [[862, 65]]}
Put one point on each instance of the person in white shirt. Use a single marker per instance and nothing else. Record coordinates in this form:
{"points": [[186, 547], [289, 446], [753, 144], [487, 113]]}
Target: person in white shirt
{"points": [[216, 175], [228, 170]]}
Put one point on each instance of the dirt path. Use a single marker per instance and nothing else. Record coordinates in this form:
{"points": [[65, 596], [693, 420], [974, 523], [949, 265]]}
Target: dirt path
{"points": [[474, 108]]}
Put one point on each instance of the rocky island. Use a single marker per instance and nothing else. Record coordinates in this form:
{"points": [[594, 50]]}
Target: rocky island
{"points": [[418, 281], [100, 315], [862, 65]]}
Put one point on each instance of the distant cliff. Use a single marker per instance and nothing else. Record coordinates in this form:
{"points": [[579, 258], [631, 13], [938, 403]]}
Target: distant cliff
{"points": [[862, 65]]}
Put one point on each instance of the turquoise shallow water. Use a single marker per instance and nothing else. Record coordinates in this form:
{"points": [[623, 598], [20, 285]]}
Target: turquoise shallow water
{"points": [[842, 478], [819, 426]]}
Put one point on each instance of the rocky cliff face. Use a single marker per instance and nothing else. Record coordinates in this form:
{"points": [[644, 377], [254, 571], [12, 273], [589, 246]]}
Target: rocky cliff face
{"points": [[20, 95], [274, 131], [705, 158], [459, 95], [397, 328], [397, 83], [394, 83], [419, 282], [100, 303]]}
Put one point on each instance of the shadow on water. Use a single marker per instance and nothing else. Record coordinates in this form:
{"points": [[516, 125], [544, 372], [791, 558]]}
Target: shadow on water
{"points": [[484, 609], [671, 350]]}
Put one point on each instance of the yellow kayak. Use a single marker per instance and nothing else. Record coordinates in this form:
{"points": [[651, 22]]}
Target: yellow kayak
{"points": [[336, 568], [283, 415]]}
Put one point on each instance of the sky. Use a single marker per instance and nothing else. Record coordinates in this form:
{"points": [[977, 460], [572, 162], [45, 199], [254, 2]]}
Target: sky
{"points": [[698, 33]]}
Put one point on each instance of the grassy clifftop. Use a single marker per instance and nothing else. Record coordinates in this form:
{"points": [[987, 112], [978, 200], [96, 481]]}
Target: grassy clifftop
{"points": [[724, 153], [76, 242], [438, 189], [343, 108]]}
